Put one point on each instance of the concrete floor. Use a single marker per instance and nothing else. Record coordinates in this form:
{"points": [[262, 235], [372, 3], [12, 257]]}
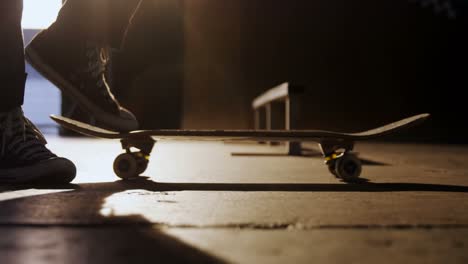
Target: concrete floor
{"points": [[200, 204]]}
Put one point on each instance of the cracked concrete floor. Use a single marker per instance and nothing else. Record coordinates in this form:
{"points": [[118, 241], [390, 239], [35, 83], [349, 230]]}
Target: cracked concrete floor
{"points": [[200, 204]]}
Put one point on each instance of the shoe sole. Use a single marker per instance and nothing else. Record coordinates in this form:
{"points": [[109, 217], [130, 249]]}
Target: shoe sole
{"points": [[119, 124], [53, 171]]}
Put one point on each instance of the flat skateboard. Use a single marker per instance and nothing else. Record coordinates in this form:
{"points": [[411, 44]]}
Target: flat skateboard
{"points": [[336, 147]]}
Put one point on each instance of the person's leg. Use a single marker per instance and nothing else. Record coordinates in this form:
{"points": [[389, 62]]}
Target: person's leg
{"points": [[106, 20], [24, 158], [12, 69], [73, 54]]}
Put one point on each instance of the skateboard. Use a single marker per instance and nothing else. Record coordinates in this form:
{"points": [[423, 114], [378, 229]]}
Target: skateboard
{"points": [[336, 147]]}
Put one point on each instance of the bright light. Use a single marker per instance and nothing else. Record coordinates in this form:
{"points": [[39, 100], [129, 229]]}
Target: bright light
{"points": [[13, 195], [40, 13]]}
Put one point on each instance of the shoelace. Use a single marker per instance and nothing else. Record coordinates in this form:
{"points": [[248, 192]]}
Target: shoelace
{"points": [[98, 59], [22, 138]]}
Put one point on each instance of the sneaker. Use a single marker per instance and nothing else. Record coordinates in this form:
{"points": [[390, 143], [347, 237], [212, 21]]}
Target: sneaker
{"points": [[78, 67], [24, 157]]}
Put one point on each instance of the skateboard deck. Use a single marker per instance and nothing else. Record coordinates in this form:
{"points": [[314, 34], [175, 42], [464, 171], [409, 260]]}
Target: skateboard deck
{"points": [[336, 147], [247, 135]]}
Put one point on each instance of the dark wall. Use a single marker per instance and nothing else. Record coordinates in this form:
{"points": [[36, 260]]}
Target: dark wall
{"points": [[148, 74], [364, 63], [214, 92], [199, 63]]}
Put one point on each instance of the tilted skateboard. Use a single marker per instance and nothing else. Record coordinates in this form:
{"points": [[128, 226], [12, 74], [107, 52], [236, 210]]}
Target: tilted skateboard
{"points": [[336, 147]]}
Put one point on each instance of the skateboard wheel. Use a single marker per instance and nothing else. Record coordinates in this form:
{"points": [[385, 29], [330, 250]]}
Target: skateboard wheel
{"points": [[142, 165], [126, 166], [348, 167]]}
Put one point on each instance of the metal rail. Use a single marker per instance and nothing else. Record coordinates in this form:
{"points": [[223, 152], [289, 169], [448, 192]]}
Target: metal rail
{"points": [[288, 94]]}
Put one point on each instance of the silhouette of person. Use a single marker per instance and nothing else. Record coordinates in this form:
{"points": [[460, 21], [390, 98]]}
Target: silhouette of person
{"points": [[73, 54]]}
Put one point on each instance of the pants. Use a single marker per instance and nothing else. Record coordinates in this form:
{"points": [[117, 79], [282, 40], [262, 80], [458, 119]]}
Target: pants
{"points": [[104, 21]]}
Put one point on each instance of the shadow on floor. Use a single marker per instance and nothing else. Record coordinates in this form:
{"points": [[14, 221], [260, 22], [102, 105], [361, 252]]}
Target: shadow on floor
{"points": [[106, 243], [145, 183], [73, 230], [286, 187], [132, 238]]}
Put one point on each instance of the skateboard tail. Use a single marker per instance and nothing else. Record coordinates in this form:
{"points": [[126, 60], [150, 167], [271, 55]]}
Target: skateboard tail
{"points": [[85, 129]]}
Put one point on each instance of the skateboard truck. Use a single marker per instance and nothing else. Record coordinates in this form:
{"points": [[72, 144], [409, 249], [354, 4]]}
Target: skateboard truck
{"points": [[340, 159], [133, 163]]}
